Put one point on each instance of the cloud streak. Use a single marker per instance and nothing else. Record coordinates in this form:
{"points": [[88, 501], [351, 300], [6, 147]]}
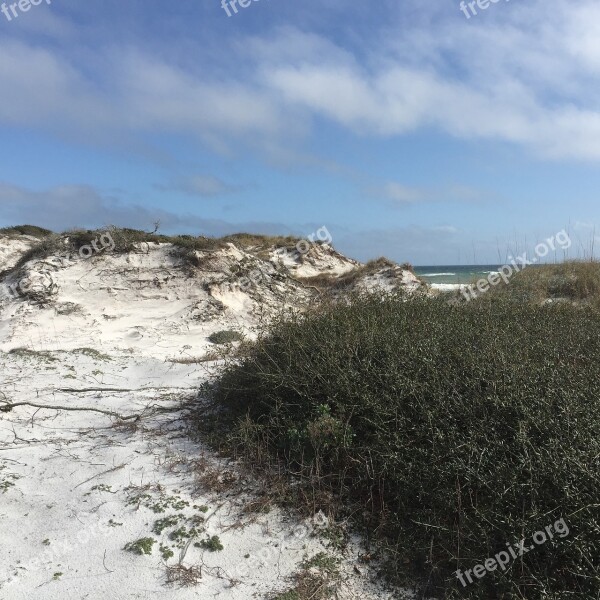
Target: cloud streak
{"points": [[202, 186]]}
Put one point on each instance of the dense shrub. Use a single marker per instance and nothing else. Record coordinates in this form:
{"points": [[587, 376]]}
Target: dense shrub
{"points": [[449, 430]]}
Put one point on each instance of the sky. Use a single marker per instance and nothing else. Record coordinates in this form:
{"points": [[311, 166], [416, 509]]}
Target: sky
{"points": [[406, 128]]}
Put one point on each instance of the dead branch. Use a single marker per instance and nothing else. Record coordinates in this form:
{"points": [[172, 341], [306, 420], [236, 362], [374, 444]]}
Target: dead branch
{"points": [[118, 468], [85, 390], [11, 405]]}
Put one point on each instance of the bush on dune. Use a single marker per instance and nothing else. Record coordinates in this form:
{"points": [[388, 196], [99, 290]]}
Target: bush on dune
{"points": [[450, 430]]}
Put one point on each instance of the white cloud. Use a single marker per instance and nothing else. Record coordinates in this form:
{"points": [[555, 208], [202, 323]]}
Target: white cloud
{"points": [[520, 73]]}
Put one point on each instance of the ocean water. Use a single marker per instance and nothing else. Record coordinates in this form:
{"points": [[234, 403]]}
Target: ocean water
{"points": [[455, 274]]}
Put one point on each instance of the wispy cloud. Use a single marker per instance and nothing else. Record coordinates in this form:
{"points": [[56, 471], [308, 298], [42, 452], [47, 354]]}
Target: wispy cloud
{"points": [[399, 195], [203, 186]]}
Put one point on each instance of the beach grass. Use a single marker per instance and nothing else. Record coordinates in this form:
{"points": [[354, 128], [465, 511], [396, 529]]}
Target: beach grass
{"points": [[575, 281]]}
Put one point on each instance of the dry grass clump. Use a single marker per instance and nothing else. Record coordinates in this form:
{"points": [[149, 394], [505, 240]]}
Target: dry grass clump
{"points": [[208, 478], [450, 430], [326, 281], [250, 240], [184, 576], [50, 245], [317, 580], [130, 240], [576, 281]]}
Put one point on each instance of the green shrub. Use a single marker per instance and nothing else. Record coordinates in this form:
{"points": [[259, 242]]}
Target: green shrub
{"points": [[451, 430]]}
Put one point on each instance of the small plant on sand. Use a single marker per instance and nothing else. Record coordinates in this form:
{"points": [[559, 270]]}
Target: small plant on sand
{"points": [[102, 487], [162, 524], [212, 544], [182, 534], [4, 485], [141, 546], [113, 523], [139, 497], [166, 552], [6, 480]]}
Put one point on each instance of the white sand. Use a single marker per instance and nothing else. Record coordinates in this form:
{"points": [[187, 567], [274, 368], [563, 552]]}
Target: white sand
{"points": [[62, 536], [11, 249]]}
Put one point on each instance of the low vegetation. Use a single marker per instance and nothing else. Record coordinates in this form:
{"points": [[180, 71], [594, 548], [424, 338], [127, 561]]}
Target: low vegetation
{"points": [[30, 230], [445, 431], [250, 240], [328, 282], [574, 281], [127, 240]]}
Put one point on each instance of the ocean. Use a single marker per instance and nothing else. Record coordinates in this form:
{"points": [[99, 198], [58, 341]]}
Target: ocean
{"points": [[455, 274]]}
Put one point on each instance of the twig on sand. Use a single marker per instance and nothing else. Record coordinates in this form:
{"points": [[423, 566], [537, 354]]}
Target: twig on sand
{"points": [[86, 390], [9, 406], [117, 468], [104, 563]]}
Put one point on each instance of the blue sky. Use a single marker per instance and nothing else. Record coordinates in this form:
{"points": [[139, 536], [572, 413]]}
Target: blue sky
{"points": [[406, 129]]}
